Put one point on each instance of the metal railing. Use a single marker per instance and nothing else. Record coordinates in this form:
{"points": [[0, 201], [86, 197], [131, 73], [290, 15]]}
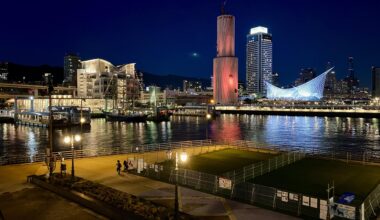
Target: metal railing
{"points": [[104, 151], [246, 192], [257, 169]]}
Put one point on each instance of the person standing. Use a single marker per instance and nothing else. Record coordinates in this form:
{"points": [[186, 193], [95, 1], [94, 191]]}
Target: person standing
{"points": [[118, 167], [125, 166]]}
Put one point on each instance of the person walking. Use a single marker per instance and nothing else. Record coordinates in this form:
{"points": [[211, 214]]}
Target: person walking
{"points": [[125, 166], [118, 167]]}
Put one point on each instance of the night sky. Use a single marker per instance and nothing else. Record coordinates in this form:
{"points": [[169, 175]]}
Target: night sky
{"points": [[179, 36]]}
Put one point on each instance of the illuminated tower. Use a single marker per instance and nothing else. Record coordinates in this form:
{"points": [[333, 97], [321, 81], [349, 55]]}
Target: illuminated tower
{"points": [[259, 60], [225, 76]]}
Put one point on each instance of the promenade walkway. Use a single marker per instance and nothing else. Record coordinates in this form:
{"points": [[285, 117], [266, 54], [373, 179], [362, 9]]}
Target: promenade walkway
{"points": [[102, 170]]}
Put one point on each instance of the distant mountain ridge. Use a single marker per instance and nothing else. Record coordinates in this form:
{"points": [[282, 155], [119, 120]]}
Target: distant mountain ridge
{"points": [[171, 80], [16, 72], [35, 73]]}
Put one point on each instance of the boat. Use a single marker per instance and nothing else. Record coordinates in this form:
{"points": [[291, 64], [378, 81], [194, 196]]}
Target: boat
{"points": [[160, 114], [40, 119], [75, 115], [125, 116], [63, 116]]}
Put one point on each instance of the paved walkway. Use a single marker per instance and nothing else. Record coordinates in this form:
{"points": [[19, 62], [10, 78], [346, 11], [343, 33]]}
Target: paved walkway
{"points": [[102, 170]]}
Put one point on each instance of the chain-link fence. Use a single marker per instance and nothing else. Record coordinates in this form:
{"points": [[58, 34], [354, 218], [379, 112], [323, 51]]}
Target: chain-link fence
{"points": [[257, 169], [370, 204], [263, 196]]}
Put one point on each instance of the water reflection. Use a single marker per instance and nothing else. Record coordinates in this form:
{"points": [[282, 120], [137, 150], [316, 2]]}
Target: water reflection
{"points": [[307, 132]]}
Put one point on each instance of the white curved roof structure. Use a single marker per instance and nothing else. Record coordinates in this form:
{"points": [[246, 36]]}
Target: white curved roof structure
{"points": [[309, 91]]}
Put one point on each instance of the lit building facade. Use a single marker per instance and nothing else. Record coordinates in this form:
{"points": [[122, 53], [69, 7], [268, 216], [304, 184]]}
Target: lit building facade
{"points": [[306, 75], [4, 71], [70, 66], [225, 67], [331, 83], [375, 82], [192, 86], [351, 80], [309, 91], [99, 78], [259, 60]]}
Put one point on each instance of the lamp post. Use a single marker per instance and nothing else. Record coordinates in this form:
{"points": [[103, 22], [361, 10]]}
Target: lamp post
{"points": [[81, 121], [70, 140], [183, 158], [31, 98]]}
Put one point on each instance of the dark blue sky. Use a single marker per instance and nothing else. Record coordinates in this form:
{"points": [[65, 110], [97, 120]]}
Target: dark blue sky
{"points": [[160, 36]]}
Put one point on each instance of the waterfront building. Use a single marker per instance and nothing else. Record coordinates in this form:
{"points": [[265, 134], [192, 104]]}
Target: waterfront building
{"points": [[192, 86], [330, 84], [71, 65], [276, 79], [99, 78], [341, 89], [153, 96], [375, 82], [259, 60], [306, 75], [351, 80], [241, 86], [225, 66], [4, 71], [309, 91]]}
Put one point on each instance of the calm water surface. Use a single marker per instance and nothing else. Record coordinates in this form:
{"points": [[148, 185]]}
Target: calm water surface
{"points": [[308, 132]]}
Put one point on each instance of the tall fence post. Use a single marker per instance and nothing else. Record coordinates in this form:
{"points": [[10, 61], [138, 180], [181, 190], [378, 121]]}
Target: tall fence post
{"points": [[253, 171], [216, 184], [198, 186], [274, 199], [243, 174], [253, 194]]}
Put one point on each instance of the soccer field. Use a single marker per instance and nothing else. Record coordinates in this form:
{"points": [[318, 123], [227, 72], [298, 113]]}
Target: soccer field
{"points": [[311, 176], [222, 161]]}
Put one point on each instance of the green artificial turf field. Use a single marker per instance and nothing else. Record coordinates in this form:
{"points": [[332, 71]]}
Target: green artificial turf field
{"points": [[222, 161], [311, 176]]}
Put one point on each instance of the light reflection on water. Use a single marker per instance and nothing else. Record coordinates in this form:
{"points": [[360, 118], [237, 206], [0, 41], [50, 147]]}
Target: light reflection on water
{"points": [[308, 132]]}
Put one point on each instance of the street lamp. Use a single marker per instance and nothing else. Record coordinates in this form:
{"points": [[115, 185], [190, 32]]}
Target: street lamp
{"points": [[82, 120], [183, 158], [70, 140], [31, 98]]}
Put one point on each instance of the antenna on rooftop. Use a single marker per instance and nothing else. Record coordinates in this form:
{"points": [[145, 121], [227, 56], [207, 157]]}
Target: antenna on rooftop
{"points": [[222, 10]]}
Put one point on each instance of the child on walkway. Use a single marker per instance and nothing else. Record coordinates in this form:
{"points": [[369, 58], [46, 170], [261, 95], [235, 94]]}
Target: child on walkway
{"points": [[125, 166], [118, 167]]}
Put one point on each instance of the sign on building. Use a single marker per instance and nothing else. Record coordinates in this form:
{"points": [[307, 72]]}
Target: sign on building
{"points": [[225, 183]]}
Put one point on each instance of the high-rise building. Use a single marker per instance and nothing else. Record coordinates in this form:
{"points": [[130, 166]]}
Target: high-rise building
{"points": [[259, 60], [4, 71], [276, 79], [351, 80], [306, 75], [225, 75], [330, 84], [375, 82], [71, 65]]}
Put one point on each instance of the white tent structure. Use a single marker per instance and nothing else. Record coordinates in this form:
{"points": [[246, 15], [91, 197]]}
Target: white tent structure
{"points": [[309, 91]]}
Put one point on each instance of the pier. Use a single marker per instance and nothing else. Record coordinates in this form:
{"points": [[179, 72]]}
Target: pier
{"points": [[305, 110]]}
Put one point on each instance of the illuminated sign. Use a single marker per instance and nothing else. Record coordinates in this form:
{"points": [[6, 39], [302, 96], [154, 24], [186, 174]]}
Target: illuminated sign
{"points": [[259, 29]]}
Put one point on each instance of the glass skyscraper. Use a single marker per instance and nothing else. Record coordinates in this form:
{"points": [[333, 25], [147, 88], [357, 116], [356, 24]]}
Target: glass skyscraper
{"points": [[259, 60]]}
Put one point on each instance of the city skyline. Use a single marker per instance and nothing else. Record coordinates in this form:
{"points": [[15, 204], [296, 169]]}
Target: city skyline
{"points": [[305, 35]]}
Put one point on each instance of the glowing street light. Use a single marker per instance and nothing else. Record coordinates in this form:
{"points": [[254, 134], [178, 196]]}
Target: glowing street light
{"points": [[82, 120], [70, 139], [183, 158], [208, 116]]}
